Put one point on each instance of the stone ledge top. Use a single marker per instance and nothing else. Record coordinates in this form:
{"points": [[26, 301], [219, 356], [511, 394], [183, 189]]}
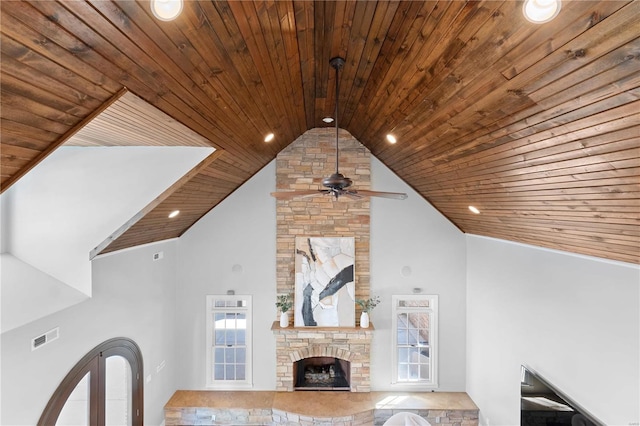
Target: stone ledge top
{"points": [[275, 327], [316, 403]]}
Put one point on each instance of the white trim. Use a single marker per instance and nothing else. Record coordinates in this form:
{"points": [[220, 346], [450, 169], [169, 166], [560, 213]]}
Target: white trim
{"points": [[101, 255], [432, 310], [211, 383]]}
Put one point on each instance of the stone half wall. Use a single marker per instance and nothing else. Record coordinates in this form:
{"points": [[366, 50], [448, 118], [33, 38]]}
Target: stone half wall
{"points": [[302, 166], [350, 344]]}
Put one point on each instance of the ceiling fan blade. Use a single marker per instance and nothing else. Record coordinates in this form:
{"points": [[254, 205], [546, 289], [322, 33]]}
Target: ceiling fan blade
{"points": [[353, 195], [298, 194], [392, 195]]}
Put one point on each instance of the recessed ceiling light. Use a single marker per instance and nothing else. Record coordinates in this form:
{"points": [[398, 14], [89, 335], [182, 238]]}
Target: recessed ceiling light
{"points": [[269, 137], [328, 119], [474, 210], [166, 10], [392, 139], [174, 214], [540, 11]]}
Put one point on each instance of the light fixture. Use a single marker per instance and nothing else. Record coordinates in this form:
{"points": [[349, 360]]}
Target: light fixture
{"points": [[328, 120], [540, 11], [269, 137], [474, 210], [166, 10], [392, 139], [174, 214]]}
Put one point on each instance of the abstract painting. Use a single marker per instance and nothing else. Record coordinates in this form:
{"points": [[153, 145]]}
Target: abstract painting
{"points": [[325, 284]]}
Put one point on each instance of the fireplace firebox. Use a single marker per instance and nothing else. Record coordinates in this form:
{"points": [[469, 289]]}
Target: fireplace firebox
{"points": [[322, 373]]}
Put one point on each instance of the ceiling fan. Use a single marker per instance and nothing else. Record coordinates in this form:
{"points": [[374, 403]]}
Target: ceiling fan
{"points": [[337, 184]]}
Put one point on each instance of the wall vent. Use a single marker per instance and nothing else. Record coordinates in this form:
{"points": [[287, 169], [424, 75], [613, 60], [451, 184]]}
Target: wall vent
{"points": [[49, 336]]}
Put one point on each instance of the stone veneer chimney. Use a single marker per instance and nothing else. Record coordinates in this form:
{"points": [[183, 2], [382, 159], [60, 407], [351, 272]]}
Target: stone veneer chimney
{"points": [[302, 166]]}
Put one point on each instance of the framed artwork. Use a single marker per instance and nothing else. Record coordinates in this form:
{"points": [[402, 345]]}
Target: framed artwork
{"points": [[325, 282]]}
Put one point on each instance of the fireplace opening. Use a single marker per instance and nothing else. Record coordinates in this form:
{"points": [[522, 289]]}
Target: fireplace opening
{"points": [[322, 373]]}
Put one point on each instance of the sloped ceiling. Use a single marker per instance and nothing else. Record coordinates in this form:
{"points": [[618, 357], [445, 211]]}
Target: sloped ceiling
{"points": [[536, 125]]}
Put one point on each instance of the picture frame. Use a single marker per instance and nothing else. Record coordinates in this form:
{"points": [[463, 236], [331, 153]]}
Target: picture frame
{"points": [[324, 282]]}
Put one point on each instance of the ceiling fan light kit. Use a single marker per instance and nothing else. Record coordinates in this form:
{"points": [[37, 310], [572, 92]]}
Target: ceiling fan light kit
{"points": [[337, 184]]}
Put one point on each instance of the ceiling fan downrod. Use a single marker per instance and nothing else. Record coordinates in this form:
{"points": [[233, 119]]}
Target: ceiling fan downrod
{"points": [[337, 63]]}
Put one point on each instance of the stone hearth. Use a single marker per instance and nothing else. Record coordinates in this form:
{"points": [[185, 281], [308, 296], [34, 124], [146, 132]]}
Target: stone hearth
{"points": [[349, 344]]}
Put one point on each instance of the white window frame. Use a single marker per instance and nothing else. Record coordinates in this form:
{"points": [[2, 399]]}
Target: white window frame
{"points": [[246, 308], [432, 311]]}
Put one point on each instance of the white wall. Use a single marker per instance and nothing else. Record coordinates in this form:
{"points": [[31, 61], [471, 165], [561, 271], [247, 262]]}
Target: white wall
{"points": [[132, 297], [242, 231], [78, 196], [575, 320], [28, 293], [412, 233], [239, 231]]}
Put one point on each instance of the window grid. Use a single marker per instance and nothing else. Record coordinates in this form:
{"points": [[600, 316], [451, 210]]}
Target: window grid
{"points": [[414, 319], [229, 347], [229, 341]]}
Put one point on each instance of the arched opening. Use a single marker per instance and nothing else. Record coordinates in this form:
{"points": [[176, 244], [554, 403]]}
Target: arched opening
{"points": [[104, 387]]}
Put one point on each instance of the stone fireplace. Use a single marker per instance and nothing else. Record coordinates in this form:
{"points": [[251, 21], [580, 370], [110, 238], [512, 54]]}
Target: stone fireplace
{"points": [[350, 346], [303, 165]]}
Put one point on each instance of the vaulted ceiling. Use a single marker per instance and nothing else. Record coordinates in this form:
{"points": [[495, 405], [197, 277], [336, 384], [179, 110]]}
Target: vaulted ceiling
{"points": [[538, 126]]}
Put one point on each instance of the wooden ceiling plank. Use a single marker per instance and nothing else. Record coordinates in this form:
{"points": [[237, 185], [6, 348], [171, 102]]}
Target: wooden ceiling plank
{"points": [[597, 41], [402, 32], [82, 31], [436, 44], [262, 52], [479, 51], [623, 91], [31, 120], [27, 130], [576, 158], [577, 179], [199, 75], [617, 191], [621, 85], [549, 224], [582, 16], [45, 151], [287, 15], [287, 80], [207, 51], [304, 28], [9, 99], [557, 55], [83, 77], [572, 231], [366, 16], [137, 58], [523, 149], [33, 79], [515, 205], [581, 128], [564, 244]]}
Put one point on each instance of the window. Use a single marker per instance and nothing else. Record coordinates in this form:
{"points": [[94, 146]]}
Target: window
{"points": [[104, 388], [415, 326], [228, 341]]}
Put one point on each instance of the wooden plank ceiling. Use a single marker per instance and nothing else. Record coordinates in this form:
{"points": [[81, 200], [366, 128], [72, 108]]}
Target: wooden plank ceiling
{"points": [[536, 125]]}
